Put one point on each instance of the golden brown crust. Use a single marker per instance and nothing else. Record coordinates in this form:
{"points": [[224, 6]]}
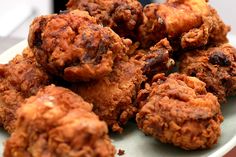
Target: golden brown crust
{"points": [[21, 78], [213, 30], [72, 45], [216, 66], [186, 23], [113, 96], [123, 16], [58, 123], [177, 109]]}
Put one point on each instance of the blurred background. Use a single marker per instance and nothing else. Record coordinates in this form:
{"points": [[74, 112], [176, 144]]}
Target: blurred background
{"points": [[16, 16]]}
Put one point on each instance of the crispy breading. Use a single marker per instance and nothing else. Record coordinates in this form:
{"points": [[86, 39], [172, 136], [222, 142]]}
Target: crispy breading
{"points": [[58, 123], [186, 23], [123, 16], [177, 109], [73, 46], [158, 59], [216, 66], [21, 78], [114, 95]]}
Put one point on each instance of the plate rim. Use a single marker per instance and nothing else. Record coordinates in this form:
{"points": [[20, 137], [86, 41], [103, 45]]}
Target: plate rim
{"points": [[225, 148]]}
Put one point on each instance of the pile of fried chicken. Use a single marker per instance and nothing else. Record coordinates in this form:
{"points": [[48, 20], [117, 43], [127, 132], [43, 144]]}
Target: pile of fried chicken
{"points": [[100, 63]]}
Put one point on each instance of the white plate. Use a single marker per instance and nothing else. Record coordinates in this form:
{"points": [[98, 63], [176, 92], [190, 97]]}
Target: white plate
{"points": [[136, 144]]}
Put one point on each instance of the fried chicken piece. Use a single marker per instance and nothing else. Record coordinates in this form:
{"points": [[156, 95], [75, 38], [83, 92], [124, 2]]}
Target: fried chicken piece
{"points": [[123, 16], [114, 95], [216, 66], [186, 23], [58, 123], [177, 109], [21, 78], [73, 46]]}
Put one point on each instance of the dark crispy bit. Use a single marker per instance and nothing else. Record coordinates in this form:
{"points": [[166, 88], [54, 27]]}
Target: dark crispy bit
{"points": [[177, 109], [123, 16], [58, 123], [219, 58], [158, 59], [216, 66], [121, 152], [186, 23], [73, 46], [21, 78]]}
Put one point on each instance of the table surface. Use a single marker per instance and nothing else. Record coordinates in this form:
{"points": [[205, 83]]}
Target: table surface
{"points": [[6, 43]]}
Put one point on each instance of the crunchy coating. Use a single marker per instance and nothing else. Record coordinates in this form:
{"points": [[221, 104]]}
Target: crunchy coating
{"points": [[58, 123], [158, 59], [73, 46], [123, 16], [186, 23], [113, 96], [177, 109], [21, 78], [216, 66]]}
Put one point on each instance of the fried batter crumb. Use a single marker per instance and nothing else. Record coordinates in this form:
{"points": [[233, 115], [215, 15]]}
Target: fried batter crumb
{"points": [[121, 152]]}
